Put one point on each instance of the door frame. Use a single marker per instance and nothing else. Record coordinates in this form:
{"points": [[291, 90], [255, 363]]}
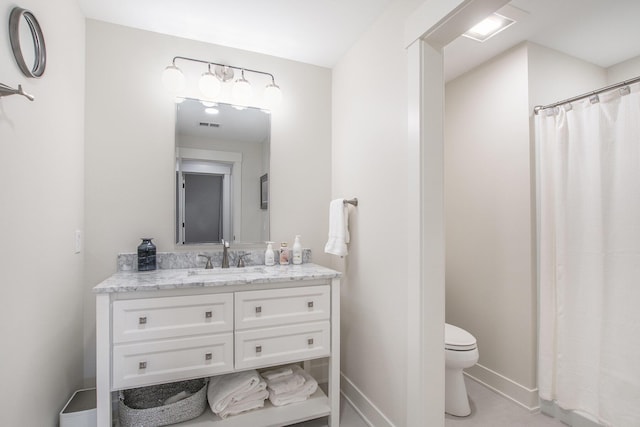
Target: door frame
{"points": [[427, 31]]}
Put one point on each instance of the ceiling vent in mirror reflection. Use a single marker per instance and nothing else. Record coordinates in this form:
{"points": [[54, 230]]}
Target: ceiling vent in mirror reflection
{"points": [[213, 125], [217, 83]]}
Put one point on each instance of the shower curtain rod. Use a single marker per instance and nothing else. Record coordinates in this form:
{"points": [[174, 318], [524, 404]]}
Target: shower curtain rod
{"points": [[539, 108]]}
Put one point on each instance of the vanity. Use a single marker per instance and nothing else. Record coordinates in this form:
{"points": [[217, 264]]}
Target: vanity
{"points": [[170, 325]]}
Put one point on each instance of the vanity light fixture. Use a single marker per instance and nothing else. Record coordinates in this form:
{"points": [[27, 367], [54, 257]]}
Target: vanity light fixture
{"points": [[212, 80], [209, 84], [489, 27], [242, 90], [173, 79], [272, 94]]}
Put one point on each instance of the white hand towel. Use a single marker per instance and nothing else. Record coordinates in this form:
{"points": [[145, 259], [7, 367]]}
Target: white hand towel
{"points": [[224, 389], [338, 228], [249, 402], [286, 384], [302, 393], [276, 373]]}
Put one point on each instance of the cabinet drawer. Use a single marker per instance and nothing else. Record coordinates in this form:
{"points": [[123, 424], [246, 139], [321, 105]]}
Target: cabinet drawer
{"points": [[157, 318], [275, 307], [171, 360], [282, 344]]}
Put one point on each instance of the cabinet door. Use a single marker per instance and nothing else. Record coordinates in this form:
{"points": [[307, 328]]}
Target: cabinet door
{"points": [[171, 317], [282, 344], [256, 309], [164, 361]]}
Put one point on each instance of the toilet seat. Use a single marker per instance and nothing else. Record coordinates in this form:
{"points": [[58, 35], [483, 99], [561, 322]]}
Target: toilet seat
{"points": [[457, 339]]}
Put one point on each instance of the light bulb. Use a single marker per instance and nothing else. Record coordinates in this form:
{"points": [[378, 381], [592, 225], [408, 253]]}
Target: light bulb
{"points": [[173, 79], [209, 85], [242, 90], [272, 95]]}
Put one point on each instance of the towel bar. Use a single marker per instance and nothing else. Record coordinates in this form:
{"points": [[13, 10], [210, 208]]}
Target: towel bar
{"points": [[353, 201]]}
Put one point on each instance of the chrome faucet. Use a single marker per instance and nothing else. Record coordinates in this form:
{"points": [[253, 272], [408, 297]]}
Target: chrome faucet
{"points": [[225, 254], [209, 266]]}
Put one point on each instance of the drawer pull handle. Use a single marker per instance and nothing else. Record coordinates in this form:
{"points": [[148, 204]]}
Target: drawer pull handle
{"points": [[208, 356], [258, 349], [258, 309], [142, 320], [310, 341], [310, 304], [142, 365], [208, 314]]}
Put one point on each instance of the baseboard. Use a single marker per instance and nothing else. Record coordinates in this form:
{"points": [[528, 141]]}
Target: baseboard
{"points": [[572, 418], [369, 412], [523, 396]]}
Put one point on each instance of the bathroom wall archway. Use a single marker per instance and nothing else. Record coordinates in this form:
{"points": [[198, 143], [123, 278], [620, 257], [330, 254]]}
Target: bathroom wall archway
{"points": [[432, 26]]}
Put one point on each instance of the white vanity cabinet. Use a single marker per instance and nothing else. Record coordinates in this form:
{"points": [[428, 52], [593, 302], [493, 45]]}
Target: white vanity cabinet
{"points": [[158, 340], [153, 335], [282, 325]]}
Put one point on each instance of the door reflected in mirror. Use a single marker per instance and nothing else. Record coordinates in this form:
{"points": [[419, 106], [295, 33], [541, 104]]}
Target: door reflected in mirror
{"points": [[222, 151]]}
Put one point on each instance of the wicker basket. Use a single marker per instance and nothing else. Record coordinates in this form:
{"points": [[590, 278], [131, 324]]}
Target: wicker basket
{"points": [[144, 406]]}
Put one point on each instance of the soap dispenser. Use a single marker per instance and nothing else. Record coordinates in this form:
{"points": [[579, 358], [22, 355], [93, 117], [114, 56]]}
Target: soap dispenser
{"points": [[284, 254], [269, 256], [297, 251]]}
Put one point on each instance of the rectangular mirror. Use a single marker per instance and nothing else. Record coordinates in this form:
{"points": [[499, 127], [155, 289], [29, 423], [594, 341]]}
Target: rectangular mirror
{"points": [[222, 165]]}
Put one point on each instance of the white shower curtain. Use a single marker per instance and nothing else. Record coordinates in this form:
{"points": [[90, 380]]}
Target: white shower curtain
{"points": [[589, 256]]}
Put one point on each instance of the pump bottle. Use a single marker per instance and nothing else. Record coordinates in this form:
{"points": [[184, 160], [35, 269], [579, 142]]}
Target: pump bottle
{"points": [[297, 251], [269, 256], [284, 254]]}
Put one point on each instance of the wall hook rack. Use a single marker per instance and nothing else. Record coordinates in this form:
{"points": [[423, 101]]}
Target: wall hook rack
{"points": [[7, 91]]}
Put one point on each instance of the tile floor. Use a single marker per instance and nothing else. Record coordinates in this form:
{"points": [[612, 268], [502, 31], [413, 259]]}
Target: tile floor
{"points": [[488, 409]]}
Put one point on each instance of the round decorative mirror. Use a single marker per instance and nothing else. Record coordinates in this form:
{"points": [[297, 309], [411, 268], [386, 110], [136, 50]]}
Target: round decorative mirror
{"points": [[27, 42]]}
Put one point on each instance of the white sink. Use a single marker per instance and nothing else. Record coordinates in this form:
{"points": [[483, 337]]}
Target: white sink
{"points": [[257, 269]]}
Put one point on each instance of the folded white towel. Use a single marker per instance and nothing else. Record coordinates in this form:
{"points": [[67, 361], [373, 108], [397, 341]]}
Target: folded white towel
{"points": [[302, 393], [286, 384], [252, 401], [276, 373], [225, 389], [177, 397], [338, 228]]}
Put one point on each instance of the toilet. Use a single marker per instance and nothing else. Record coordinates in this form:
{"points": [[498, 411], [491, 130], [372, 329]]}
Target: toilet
{"points": [[460, 352]]}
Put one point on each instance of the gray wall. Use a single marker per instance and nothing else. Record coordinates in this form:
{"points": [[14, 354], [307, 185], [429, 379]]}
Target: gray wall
{"points": [[369, 161], [41, 147]]}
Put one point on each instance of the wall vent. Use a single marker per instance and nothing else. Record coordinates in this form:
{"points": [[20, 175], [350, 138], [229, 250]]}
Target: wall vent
{"points": [[212, 125]]}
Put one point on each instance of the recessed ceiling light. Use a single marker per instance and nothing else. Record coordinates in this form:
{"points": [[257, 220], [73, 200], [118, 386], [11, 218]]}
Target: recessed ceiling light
{"points": [[489, 27], [211, 110]]}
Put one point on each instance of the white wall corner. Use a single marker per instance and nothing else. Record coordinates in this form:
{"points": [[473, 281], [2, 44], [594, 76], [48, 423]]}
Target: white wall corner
{"points": [[518, 393], [370, 413]]}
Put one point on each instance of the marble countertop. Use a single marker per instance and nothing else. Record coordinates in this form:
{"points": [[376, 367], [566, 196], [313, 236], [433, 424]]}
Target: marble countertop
{"points": [[133, 281]]}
